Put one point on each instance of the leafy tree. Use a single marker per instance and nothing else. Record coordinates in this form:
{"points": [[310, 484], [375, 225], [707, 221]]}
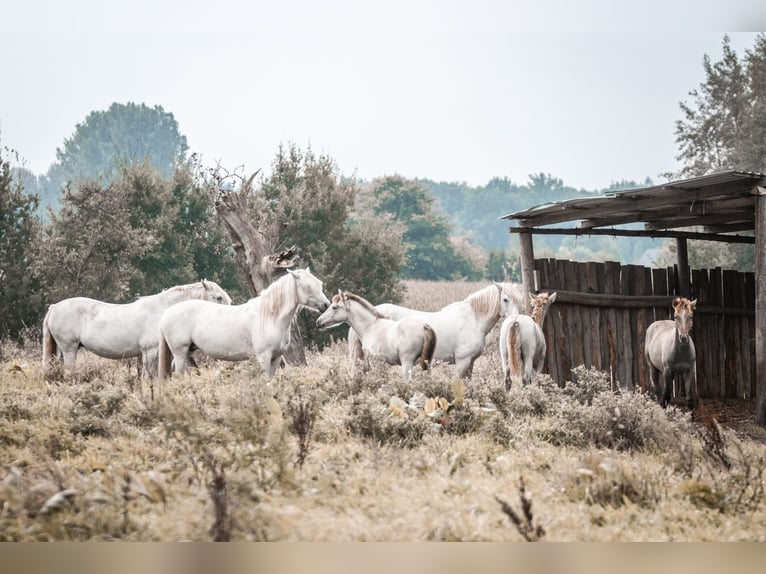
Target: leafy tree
{"points": [[140, 234], [430, 254], [725, 126], [317, 210], [307, 203], [503, 265], [123, 134], [19, 228]]}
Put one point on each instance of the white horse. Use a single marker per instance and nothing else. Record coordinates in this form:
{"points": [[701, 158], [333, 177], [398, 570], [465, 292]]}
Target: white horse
{"points": [[460, 327], [117, 331], [669, 350], [399, 342], [258, 329], [522, 343]]}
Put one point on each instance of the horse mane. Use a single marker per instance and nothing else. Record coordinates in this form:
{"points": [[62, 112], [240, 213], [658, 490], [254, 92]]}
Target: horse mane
{"points": [[280, 294], [485, 301], [362, 301], [184, 291]]}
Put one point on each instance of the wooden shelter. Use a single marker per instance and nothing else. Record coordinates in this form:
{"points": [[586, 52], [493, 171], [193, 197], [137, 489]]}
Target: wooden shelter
{"points": [[728, 206]]}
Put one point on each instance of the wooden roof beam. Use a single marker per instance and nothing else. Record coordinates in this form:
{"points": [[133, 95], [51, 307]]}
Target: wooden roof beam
{"points": [[634, 233]]}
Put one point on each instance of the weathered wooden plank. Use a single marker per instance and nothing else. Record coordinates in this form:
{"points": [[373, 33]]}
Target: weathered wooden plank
{"points": [[749, 284], [612, 273], [627, 334], [716, 338], [731, 342], [705, 359], [644, 318]]}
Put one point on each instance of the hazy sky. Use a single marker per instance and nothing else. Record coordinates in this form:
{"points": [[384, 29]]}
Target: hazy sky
{"points": [[587, 91]]}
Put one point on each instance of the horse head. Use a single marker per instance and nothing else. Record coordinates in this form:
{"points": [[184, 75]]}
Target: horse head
{"points": [[683, 314], [511, 298], [214, 293], [309, 290], [335, 314], [540, 304]]}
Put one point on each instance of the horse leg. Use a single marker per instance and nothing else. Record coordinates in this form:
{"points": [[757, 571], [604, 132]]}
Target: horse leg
{"points": [[148, 364], [179, 359], [465, 367], [272, 365], [355, 351], [654, 375], [529, 372], [667, 379], [691, 388], [69, 352]]}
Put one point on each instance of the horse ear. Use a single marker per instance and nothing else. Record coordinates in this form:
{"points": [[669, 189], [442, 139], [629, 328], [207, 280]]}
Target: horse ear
{"points": [[552, 298], [204, 283], [693, 304]]}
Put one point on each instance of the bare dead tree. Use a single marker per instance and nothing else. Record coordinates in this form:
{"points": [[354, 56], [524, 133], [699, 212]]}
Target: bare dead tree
{"points": [[256, 250]]}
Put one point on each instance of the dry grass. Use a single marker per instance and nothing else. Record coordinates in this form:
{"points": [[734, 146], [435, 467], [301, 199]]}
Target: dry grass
{"points": [[319, 454]]}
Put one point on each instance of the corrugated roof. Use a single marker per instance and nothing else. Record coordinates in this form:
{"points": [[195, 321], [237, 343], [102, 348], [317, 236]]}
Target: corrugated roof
{"points": [[720, 203]]}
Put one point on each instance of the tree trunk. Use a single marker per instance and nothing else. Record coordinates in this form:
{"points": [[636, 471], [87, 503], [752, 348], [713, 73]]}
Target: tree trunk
{"points": [[255, 256]]}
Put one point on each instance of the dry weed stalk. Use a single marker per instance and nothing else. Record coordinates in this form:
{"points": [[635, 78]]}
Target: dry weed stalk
{"points": [[524, 524], [218, 490], [712, 440], [303, 416]]}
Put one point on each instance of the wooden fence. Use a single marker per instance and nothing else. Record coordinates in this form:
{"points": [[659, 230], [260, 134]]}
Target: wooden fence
{"points": [[602, 312]]}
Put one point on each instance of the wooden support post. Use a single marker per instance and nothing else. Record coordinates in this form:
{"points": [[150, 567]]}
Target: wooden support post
{"points": [[760, 309], [527, 266], [684, 282]]}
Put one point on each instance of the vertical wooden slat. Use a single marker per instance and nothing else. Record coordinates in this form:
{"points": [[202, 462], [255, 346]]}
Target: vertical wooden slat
{"points": [[760, 307], [716, 334], [751, 323], [612, 274], [626, 345], [731, 342]]}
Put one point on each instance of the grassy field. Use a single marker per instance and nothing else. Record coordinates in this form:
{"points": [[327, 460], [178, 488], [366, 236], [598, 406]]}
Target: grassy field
{"points": [[321, 454]]}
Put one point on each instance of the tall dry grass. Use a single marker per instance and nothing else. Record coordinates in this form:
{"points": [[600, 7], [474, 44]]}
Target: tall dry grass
{"points": [[322, 454]]}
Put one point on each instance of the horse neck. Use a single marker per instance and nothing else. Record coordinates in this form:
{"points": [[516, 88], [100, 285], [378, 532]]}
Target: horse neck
{"points": [[485, 305], [279, 301], [179, 293], [360, 318], [538, 314]]}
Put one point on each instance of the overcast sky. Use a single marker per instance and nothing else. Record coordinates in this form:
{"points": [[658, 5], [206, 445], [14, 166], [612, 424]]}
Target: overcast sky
{"points": [[587, 91]]}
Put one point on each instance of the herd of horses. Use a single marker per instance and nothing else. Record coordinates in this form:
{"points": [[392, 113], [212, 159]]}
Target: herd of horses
{"points": [[163, 329]]}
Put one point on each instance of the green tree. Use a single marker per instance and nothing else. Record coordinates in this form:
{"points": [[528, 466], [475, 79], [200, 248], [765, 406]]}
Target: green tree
{"points": [[123, 134], [713, 123], [317, 209], [725, 128], [308, 203], [430, 254], [20, 304], [725, 125], [139, 234]]}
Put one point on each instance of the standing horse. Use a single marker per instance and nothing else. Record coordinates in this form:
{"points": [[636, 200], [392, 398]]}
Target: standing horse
{"points": [[669, 350], [257, 329], [117, 331], [522, 342], [399, 342], [460, 326]]}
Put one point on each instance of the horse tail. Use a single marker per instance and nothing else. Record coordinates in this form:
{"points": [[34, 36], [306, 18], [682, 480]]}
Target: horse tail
{"points": [[50, 347], [514, 354], [164, 358], [429, 347]]}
